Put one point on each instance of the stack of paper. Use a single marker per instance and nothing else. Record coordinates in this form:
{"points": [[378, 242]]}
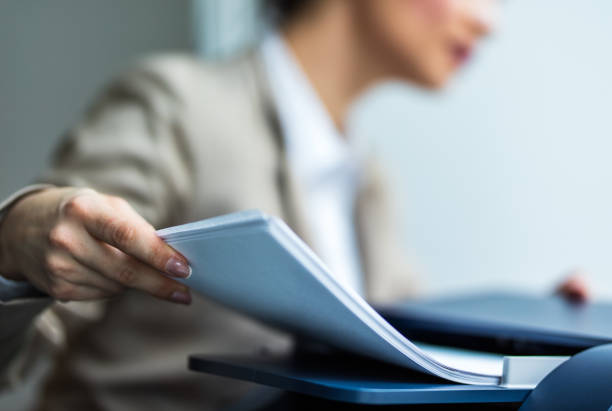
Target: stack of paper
{"points": [[256, 265]]}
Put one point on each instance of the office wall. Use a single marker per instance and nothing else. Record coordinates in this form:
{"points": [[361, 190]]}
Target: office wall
{"points": [[505, 177], [55, 54]]}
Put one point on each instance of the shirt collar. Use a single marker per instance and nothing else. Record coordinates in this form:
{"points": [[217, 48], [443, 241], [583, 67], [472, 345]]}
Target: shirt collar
{"points": [[315, 147]]}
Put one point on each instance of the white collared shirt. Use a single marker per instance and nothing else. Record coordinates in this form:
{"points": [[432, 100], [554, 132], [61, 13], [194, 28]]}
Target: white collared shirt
{"points": [[323, 161]]}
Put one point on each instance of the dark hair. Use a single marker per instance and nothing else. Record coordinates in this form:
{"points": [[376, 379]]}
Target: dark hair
{"points": [[283, 11]]}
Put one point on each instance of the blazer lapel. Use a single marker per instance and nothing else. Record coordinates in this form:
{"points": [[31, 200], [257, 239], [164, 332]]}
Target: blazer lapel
{"points": [[290, 192], [388, 276]]}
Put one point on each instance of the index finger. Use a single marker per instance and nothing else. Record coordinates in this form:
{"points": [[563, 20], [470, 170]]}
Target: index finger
{"points": [[138, 239]]}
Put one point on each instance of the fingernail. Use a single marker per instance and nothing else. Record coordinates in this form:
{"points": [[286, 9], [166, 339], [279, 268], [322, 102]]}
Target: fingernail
{"points": [[181, 297], [178, 268]]}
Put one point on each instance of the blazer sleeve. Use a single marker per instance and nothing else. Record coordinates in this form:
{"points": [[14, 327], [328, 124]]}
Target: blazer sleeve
{"points": [[129, 143]]}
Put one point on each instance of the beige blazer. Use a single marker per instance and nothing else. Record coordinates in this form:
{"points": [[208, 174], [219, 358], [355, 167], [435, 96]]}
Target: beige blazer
{"points": [[181, 140]]}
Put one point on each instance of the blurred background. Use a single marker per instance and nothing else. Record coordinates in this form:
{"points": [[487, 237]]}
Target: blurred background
{"points": [[503, 179]]}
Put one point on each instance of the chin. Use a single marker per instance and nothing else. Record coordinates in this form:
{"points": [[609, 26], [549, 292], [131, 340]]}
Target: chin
{"points": [[435, 84], [432, 77], [432, 82], [428, 79]]}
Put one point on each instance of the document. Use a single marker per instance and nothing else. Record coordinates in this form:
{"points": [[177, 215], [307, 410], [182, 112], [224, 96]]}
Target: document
{"points": [[256, 265]]}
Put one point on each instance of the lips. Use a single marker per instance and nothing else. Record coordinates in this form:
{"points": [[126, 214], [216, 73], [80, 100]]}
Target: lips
{"points": [[461, 53]]}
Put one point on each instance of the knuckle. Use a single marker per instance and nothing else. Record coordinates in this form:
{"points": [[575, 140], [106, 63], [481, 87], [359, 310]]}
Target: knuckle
{"points": [[159, 256], [53, 264], [164, 289], [59, 269], [62, 290], [75, 207], [121, 234], [117, 201], [60, 237], [126, 275]]}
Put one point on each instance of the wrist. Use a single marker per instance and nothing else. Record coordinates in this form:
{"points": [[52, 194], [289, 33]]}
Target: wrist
{"points": [[7, 269]]}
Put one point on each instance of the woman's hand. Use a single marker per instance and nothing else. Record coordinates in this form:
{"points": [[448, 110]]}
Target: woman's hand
{"points": [[574, 288], [77, 244]]}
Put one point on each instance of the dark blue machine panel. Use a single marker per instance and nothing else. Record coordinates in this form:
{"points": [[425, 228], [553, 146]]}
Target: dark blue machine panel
{"points": [[352, 379], [508, 323]]}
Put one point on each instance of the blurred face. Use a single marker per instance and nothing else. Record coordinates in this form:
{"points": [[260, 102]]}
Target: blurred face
{"points": [[424, 41]]}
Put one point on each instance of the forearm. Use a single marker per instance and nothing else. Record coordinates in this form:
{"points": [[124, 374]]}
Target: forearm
{"points": [[20, 302], [7, 269]]}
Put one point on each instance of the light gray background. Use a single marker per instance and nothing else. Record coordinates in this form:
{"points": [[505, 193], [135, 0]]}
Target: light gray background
{"points": [[503, 177], [54, 55], [506, 176]]}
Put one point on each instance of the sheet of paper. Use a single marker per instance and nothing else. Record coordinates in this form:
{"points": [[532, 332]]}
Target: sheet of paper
{"points": [[488, 363], [256, 265]]}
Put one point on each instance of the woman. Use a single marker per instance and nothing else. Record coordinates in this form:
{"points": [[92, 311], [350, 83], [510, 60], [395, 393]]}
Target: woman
{"points": [[177, 140]]}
